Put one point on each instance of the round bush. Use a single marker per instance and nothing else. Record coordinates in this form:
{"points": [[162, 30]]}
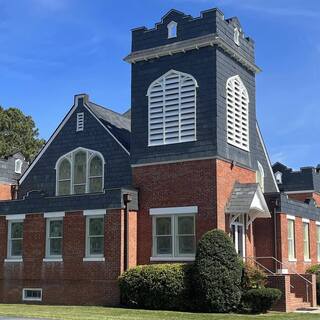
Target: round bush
{"points": [[160, 286], [253, 277], [217, 273], [261, 300]]}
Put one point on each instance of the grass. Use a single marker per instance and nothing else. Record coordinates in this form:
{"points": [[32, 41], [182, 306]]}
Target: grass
{"points": [[101, 313]]}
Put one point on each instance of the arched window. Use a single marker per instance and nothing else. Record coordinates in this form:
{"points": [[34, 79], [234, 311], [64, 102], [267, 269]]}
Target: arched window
{"points": [[80, 171], [64, 177], [172, 109], [236, 35], [237, 100], [278, 176], [260, 176], [18, 166], [95, 174], [172, 29]]}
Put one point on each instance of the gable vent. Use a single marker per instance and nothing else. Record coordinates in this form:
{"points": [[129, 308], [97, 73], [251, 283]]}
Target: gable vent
{"points": [[80, 121], [237, 100], [172, 109]]}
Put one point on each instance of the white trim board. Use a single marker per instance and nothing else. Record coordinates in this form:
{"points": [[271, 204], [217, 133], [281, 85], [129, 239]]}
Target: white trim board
{"points": [[95, 212], [173, 210], [16, 217], [57, 214], [298, 192]]}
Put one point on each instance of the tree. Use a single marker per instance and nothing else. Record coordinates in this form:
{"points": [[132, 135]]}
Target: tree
{"points": [[217, 273], [18, 133]]}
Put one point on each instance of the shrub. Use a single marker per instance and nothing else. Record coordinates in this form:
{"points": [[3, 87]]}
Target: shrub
{"points": [[217, 273], [253, 277], [261, 300], [315, 269], [159, 286]]}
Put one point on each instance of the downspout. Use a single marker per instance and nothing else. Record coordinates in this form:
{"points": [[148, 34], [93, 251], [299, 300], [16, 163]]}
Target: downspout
{"points": [[127, 198], [276, 203]]}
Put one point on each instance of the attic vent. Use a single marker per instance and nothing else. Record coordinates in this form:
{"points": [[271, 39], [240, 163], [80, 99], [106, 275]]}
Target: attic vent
{"points": [[237, 100], [80, 121], [18, 166], [172, 109], [172, 29], [236, 35]]}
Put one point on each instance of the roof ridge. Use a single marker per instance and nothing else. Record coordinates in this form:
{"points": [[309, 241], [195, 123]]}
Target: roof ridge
{"points": [[108, 109]]}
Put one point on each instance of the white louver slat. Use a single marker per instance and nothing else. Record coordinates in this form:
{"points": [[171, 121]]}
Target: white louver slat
{"points": [[172, 109], [237, 100]]}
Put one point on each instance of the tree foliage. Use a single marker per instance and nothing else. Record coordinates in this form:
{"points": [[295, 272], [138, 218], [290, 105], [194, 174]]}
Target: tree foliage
{"points": [[18, 133]]}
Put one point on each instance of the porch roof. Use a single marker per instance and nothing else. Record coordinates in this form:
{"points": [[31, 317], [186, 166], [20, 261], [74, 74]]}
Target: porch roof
{"points": [[248, 199]]}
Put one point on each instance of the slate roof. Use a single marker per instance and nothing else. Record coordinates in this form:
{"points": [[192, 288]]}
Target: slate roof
{"points": [[118, 124], [307, 178], [241, 198]]}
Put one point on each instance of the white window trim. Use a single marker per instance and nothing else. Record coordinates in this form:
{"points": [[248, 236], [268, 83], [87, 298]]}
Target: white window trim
{"points": [[294, 258], [173, 210], [16, 217], [88, 256], [58, 214], [11, 258], [90, 154], [157, 81], [50, 257], [261, 171], [236, 36], [278, 177], [24, 298], [170, 26], [95, 212], [244, 124], [80, 121], [307, 222], [18, 166], [175, 256]]}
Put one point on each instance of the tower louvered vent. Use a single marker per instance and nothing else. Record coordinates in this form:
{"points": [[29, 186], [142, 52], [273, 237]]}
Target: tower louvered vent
{"points": [[172, 109], [237, 113]]}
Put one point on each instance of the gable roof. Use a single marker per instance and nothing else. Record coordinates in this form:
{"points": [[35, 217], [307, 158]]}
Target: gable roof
{"points": [[119, 125], [115, 124]]}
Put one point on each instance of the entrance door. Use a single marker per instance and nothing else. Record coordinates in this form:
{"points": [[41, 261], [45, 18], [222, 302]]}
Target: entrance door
{"points": [[238, 236]]}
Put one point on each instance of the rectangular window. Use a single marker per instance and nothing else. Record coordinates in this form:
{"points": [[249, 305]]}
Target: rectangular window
{"points": [[95, 236], [15, 239], [318, 242], [54, 238], [31, 294], [80, 121], [174, 236], [306, 245], [291, 240]]}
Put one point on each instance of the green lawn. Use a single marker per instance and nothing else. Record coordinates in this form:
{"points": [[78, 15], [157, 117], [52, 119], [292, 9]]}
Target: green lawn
{"points": [[101, 313]]}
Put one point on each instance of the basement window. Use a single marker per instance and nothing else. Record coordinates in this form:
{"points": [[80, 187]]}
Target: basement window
{"points": [[31, 294]]}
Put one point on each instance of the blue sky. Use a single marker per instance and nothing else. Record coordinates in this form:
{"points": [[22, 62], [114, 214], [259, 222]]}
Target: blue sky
{"points": [[53, 49]]}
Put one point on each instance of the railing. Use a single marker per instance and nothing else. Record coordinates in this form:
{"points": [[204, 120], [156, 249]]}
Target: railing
{"points": [[282, 264]]}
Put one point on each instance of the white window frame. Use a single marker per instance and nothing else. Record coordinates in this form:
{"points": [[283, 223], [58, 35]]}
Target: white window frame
{"points": [[172, 29], [24, 298], [90, 154], [161, 82], [236, 36], [18, 166], [291, 219], [306, 222], [80, 121], [237, 127], [88, 256], [175, 256], [278, 177], [10, 257], [318, 240], [50, 257]]}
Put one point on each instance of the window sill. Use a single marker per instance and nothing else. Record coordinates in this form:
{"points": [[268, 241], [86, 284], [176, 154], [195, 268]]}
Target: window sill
{"points": [[307, 260], [292, 260], [172, 258], [88, 259], [13, 260], [52, 260]]}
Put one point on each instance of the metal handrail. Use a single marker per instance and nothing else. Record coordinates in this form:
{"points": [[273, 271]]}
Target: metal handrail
{"points": [[307, 282]]}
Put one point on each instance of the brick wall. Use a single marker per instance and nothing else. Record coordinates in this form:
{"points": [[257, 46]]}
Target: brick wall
{"points": [[5, 191], [204, 183], [303, 196], [72, 281]]}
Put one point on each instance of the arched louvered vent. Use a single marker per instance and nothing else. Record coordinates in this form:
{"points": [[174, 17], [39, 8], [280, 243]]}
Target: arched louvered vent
{"points": [[172, 109], [237, 113]]}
